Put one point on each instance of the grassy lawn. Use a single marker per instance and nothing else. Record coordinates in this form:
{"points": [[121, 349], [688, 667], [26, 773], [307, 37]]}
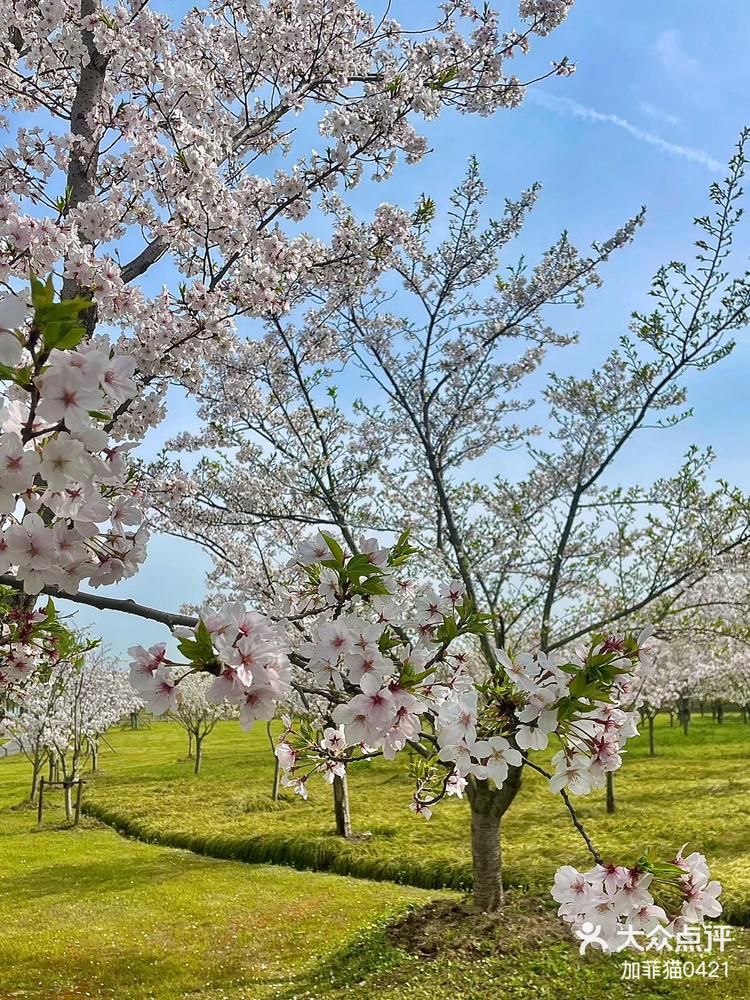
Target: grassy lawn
{"points": [[88, 913], [696, 789]]}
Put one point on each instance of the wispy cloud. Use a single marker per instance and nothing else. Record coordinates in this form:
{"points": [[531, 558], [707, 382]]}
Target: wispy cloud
{"points": [[658, 114], [669, 51], [564, 106]]}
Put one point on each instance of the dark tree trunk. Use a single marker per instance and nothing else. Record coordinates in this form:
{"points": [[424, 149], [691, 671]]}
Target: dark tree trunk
{"points": [[720, 712], [35, 776], [190, 745], [276, 764], [488, 805], [276, 780], [611, 803], [703, 707], [198, 754], [671, 720], [94, 757], [685, 715], [651, 749], [341, 806]]}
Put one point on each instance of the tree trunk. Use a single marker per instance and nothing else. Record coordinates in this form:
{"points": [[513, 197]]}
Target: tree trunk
{"points": [[488, 805], [702, 709], [685, 715], [276, 764], [720, 712], [190, 745], [94, 757], [341, 806], [671, 720], [198, 754], [611, 804], [35, 775], [276, 780], [651, 735], [68, 798]]}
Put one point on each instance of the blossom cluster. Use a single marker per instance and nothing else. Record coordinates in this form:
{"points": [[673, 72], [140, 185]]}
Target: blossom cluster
{"points": [[391, 658], [27, 639], [585, 699], [387, 654], [244, 650], [187, 151], [614, 901], [69, 509]]}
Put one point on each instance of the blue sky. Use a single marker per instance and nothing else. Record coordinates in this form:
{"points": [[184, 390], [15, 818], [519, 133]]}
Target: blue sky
{"points": [[649, 118]]}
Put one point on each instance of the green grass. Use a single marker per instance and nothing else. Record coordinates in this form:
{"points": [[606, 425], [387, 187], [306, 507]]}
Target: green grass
{"points": [[697, 789], [88, 913]]}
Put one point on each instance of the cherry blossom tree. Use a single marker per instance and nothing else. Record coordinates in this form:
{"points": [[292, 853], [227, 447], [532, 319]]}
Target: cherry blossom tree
{"points": [[553, 557], [156, 137], [197, 714], [66, 708], [390, 659]]}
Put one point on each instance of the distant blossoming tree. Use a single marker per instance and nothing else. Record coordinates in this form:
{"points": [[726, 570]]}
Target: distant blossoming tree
{"points": [[198, 714]]}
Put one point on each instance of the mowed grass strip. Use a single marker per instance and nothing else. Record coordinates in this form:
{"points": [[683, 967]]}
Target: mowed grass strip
{"points": [[695, 790]]}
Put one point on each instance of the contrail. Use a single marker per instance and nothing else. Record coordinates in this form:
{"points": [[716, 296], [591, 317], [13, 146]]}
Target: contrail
{"points": [[564, 106]]}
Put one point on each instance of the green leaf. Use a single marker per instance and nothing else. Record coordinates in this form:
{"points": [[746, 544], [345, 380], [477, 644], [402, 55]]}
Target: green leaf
{"points": [[373, 586], [336, 550]]}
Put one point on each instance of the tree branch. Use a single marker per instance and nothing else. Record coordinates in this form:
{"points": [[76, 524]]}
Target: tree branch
{"points": [[109, 604]]}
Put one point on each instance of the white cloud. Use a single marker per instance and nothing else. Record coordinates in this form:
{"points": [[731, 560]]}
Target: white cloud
{"points": [[658, 114], [564, 106], [672, 56]]}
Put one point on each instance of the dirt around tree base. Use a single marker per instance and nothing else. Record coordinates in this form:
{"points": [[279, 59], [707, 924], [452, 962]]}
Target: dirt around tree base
{"points": [[443, 927]]}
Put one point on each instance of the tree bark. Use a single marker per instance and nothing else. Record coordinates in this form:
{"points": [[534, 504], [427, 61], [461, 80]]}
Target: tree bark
{"points": [[611, 802], [685, 715], [276, 780], [488, 805], [94, 758], [720, 712], [35, 775], [651, 749], [276, 765], [671, 720], [341, 806], [198, 754], [190, 745], [68, 799], [84, 152]]}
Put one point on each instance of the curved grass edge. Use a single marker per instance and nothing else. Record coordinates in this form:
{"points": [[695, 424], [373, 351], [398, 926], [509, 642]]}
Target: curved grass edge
{"points": [[339, 858]]}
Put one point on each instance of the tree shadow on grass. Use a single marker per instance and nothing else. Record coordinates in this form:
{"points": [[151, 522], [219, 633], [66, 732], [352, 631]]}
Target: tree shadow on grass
{"points": [[138, 973], [96, 877]]}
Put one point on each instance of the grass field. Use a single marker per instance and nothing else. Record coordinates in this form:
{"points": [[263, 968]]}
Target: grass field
{"points": [[697, 789], [88, 913]]}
